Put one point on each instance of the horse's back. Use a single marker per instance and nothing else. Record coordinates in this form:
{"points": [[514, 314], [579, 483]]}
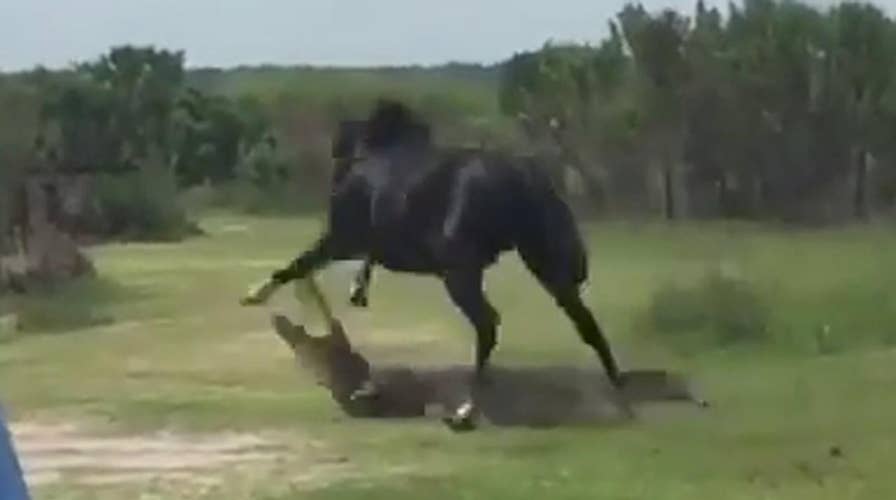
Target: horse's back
{"points": [[428, 209], [495, 202]]}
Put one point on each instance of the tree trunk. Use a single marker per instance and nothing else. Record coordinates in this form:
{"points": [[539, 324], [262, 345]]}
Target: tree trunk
{"points": [[722, 195], [682, 190], [593, 186], [669, 207], [757, 196], [860, 196]]}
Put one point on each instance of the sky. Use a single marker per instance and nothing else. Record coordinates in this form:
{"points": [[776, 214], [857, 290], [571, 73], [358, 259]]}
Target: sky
{"points": [[223, 33]]}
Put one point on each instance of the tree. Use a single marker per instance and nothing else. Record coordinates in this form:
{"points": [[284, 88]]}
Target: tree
{"points": [[79, 128], [777, 52], [657, 44], [145, 83], [110, 113], [717, 129], [213, 136], [563, 98], [18, 128], [864, 55]]}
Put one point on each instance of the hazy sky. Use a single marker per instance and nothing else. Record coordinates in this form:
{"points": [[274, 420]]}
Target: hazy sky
{"points": [[333, 32]]}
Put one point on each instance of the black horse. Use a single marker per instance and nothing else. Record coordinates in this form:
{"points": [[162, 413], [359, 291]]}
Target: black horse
{"points": [[403, 203]]}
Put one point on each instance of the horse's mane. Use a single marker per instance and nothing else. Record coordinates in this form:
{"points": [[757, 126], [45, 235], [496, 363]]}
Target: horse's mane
{"points": [[393, 123]]}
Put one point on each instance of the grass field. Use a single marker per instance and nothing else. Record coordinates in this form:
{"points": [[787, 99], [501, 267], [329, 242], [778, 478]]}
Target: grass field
{"points": [[158, 343]]}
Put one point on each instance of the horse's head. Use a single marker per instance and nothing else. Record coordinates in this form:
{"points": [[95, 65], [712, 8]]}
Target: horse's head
{"points": [[393, 123], [329, 358]]}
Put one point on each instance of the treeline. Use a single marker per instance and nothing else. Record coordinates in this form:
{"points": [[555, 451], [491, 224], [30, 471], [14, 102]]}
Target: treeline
{"points": [[769, 110], [150, 130], [303, 104], [772, 110], [130, 109], [127, 120]]}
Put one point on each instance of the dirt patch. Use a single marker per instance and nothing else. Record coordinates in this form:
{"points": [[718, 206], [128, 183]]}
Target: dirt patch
{"points": [[53, 453]]}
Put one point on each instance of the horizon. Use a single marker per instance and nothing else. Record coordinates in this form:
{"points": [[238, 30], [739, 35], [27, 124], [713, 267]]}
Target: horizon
{"points": [[393, 33]]}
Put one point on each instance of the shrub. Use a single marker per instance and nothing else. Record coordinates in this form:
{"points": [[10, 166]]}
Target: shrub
{"points": [[82, 303], [720, 309], [141, 206], [246, 197]]}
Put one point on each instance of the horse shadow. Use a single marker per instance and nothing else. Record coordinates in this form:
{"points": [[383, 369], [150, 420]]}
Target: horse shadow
{"points": [[511, 396]]}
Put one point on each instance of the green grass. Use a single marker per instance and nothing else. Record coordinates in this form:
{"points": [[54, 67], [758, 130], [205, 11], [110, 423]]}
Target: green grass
{"points": [[174, 351]]}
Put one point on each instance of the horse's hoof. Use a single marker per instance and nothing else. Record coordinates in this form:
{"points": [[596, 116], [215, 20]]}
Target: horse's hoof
{"points": [[366, 392], [618, 382], [620, 398], [259, 294], [358, 301], [463, 420], [460, 424]]}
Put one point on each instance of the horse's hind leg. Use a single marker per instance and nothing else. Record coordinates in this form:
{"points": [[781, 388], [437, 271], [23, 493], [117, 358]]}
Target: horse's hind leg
{"points": [[570, 301], [561, 280]]}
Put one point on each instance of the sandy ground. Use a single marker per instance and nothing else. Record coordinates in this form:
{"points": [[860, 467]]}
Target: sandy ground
{"points": [[54, 453]]}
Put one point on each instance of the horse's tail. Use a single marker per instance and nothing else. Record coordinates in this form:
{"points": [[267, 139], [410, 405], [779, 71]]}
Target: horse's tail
{"points": [[549, 240]]}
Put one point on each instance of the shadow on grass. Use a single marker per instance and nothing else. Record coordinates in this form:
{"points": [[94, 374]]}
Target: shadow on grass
{"points": [[530, 396], [511, 396]]}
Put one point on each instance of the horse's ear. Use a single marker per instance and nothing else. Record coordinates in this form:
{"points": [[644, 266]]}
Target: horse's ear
{"points": [[392, 122]]}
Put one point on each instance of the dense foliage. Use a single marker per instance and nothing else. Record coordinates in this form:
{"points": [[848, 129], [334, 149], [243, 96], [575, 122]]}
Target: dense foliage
{"points": [[773, 109]]}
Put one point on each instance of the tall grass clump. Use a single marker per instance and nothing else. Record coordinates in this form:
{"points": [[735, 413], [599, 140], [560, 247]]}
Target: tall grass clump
{"points": [[718, 310], [57, 308]]}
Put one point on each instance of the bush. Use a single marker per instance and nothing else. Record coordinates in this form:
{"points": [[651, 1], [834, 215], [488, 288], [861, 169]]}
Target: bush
{"points": [[246, 197], [141, 206], [720, 309], [82, 303]]}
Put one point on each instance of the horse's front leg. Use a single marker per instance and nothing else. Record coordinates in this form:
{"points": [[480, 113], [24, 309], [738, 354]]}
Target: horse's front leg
{"points": [[359, 291], [322, 252]]}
